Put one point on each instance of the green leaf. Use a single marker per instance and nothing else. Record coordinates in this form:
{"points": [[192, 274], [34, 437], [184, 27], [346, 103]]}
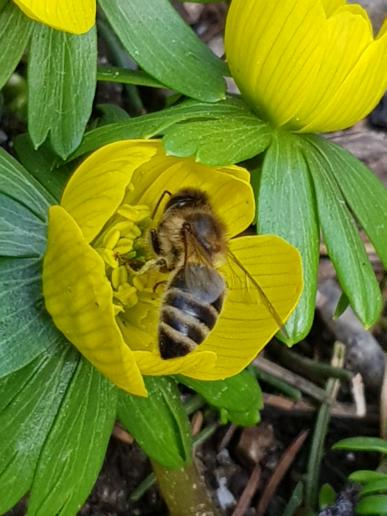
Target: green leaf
{"points": [[345, 247], [327, 496], [165, 47], [158, 423], [364, 192], [125, 76], [341, 307], [61, 79], [22, 234], [221, 141], [17, 183], [74, 450], [295, 500], [372, 505], [29, 401], [111, 114], [365, 444], [3, 3], [239, 397], [286, 207], [364, 476], [376, 486], [15, 31], [26, 329], [153, 124], [43, 165]]}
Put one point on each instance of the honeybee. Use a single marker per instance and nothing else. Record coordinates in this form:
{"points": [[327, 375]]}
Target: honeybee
{"points": [[190, 242]]}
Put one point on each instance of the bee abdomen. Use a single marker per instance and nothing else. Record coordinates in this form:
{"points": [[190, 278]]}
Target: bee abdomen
{"points": [[185, 323]]}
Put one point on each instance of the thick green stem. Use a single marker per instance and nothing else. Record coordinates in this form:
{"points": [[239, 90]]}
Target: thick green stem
{"points": [[184, 491]]}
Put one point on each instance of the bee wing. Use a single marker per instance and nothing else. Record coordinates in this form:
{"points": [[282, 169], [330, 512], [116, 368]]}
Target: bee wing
{"points": [[194, 250], [253, 289], [200, 275]]}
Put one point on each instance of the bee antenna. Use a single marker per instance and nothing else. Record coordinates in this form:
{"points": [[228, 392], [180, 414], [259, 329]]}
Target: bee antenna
{"points": [[155, 209]]}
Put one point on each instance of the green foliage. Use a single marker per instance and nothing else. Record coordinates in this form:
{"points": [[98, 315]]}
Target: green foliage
{"points": [[18, 184], [306, 182], [295, 500], [42, 164], [74, 59], [342, 305], [123, 76], [77, 440], [220, 141], [363, 192], [158, 423], [25, 327], [373, 493], [15, 30], [166, 48], [366, 444], [341, 236], [364, 476], [30, 400], [238, 398], [286, 206], [158, 123], [327, 496], [372, 505]]}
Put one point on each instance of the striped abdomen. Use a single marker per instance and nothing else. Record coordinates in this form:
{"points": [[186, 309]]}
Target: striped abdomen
{"points": [[191, 306]]}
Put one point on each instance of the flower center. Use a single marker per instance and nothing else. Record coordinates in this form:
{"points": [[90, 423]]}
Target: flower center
{"points": [[124, 246]]}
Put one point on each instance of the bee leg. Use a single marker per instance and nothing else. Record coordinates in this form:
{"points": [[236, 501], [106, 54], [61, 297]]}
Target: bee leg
{"points": [[162, 265], [157, 285], [155, 241]]}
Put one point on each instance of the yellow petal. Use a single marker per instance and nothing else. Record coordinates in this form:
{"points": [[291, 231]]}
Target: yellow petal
{"points": [[273, 50], [75, 16], [348, 36], [245, 324], [193, 364], [359, 92], [79, 298], [98, 186], [228, 188], [331, 5], [310, 65]]}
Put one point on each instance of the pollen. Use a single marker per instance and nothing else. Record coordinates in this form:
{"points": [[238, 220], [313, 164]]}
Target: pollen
{"points": [[124, 246]]}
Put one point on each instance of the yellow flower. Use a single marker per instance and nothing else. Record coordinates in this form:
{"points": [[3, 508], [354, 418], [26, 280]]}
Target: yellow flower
{"points": [[308, 65], [75, 16], [99, 285]]}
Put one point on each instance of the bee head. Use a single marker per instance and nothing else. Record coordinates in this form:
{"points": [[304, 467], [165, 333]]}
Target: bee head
{"points": [[187, 198]]}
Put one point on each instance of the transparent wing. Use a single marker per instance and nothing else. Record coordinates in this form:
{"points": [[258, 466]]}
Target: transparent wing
{"points": [[200, 276], [251, 289]]}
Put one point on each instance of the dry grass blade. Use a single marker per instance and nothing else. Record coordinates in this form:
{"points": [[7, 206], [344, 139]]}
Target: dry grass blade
{"points": [[291, 378], [280, 471], [248, 493]]}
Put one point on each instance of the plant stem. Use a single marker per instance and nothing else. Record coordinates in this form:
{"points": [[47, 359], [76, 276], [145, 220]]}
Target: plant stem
{"points": [[184, 491], [314, 369], [320, 430], [280, 385]]}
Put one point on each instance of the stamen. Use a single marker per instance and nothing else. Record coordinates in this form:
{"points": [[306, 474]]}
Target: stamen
{"points": [[111, 238], [129, 261], [108, 257]]}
